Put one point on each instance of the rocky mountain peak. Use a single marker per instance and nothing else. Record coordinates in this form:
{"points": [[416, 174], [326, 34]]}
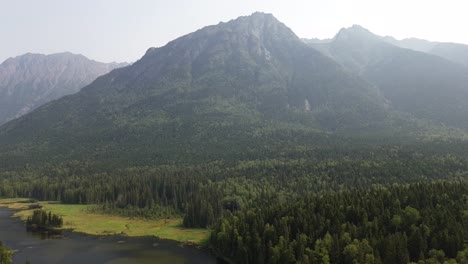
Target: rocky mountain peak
{"points": [[30, 80], [258, 27], [356, 33]]}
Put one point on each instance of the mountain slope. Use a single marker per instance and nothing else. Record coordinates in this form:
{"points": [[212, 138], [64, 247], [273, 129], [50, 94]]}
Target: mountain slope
{"points": [[421, 84], [451, 51], [235, 89], [31, 80], [416, 44]]}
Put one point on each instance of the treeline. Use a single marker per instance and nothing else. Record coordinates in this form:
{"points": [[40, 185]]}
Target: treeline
{"points": [[176, 187], [396, 224]]}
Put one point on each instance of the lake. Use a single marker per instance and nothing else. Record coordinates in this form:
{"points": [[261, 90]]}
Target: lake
{"points": [[81, 248]]}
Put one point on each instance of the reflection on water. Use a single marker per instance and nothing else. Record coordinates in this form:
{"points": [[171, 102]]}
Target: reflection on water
{"points": [[79, 248]]}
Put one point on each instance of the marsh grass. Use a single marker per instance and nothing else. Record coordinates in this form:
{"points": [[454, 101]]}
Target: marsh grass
{"points": [[85, 219]]}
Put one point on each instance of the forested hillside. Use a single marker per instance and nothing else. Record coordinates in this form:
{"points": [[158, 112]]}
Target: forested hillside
{"points": [[244, 89]]}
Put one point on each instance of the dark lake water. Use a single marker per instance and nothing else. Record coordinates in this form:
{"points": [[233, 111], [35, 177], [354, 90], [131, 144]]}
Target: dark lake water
{"points": [[80, 248]]}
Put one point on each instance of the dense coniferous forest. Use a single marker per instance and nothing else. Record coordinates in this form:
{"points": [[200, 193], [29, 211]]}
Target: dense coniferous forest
{"points": [[398, 224], [383, 204]]}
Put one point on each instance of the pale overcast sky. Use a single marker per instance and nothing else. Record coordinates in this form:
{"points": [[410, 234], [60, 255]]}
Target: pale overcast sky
{"points": [[122, 30]]}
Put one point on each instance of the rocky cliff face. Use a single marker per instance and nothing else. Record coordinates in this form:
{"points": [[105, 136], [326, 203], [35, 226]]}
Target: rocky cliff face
{"points": [[31, 80]]}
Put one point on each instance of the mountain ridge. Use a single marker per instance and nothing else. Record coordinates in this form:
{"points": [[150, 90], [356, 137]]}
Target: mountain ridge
{"points": [[455, 52], [250, 80], [30, 80], [245, 89], [423, 84]]}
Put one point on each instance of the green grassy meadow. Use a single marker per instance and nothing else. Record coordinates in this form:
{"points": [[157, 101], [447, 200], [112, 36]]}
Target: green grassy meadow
{"points": [[81, 218]]}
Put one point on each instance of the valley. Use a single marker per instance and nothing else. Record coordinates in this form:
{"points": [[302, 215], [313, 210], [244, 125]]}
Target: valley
{"points": [[240, 142]]}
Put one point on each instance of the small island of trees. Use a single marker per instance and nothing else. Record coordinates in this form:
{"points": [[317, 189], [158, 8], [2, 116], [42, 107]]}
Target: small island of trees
{"points": [[43, 221]]}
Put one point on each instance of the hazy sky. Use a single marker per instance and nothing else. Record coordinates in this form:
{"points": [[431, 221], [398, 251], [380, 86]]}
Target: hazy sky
{"points": [[122, 30]]}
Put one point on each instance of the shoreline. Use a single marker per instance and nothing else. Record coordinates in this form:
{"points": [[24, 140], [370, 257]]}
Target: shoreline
{"points": [[135, 227], [80, 247]]}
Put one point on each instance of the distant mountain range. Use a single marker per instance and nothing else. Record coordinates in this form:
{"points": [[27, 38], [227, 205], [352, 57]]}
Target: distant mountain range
{"points": [[451, 51], [245, 89], [31, 80], [421, 84]]}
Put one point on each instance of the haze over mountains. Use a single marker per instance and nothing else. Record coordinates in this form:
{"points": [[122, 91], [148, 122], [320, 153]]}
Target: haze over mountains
{"points": [[31, 80], [421, 84], [245, 88], [242, 139], [451, 51]]}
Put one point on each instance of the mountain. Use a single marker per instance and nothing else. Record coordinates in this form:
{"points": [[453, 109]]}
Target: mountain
{"points": [[412, 43], [31, 80], [239, 89], [423, 85], [451, 51], [454, 52], [315, 41]]}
